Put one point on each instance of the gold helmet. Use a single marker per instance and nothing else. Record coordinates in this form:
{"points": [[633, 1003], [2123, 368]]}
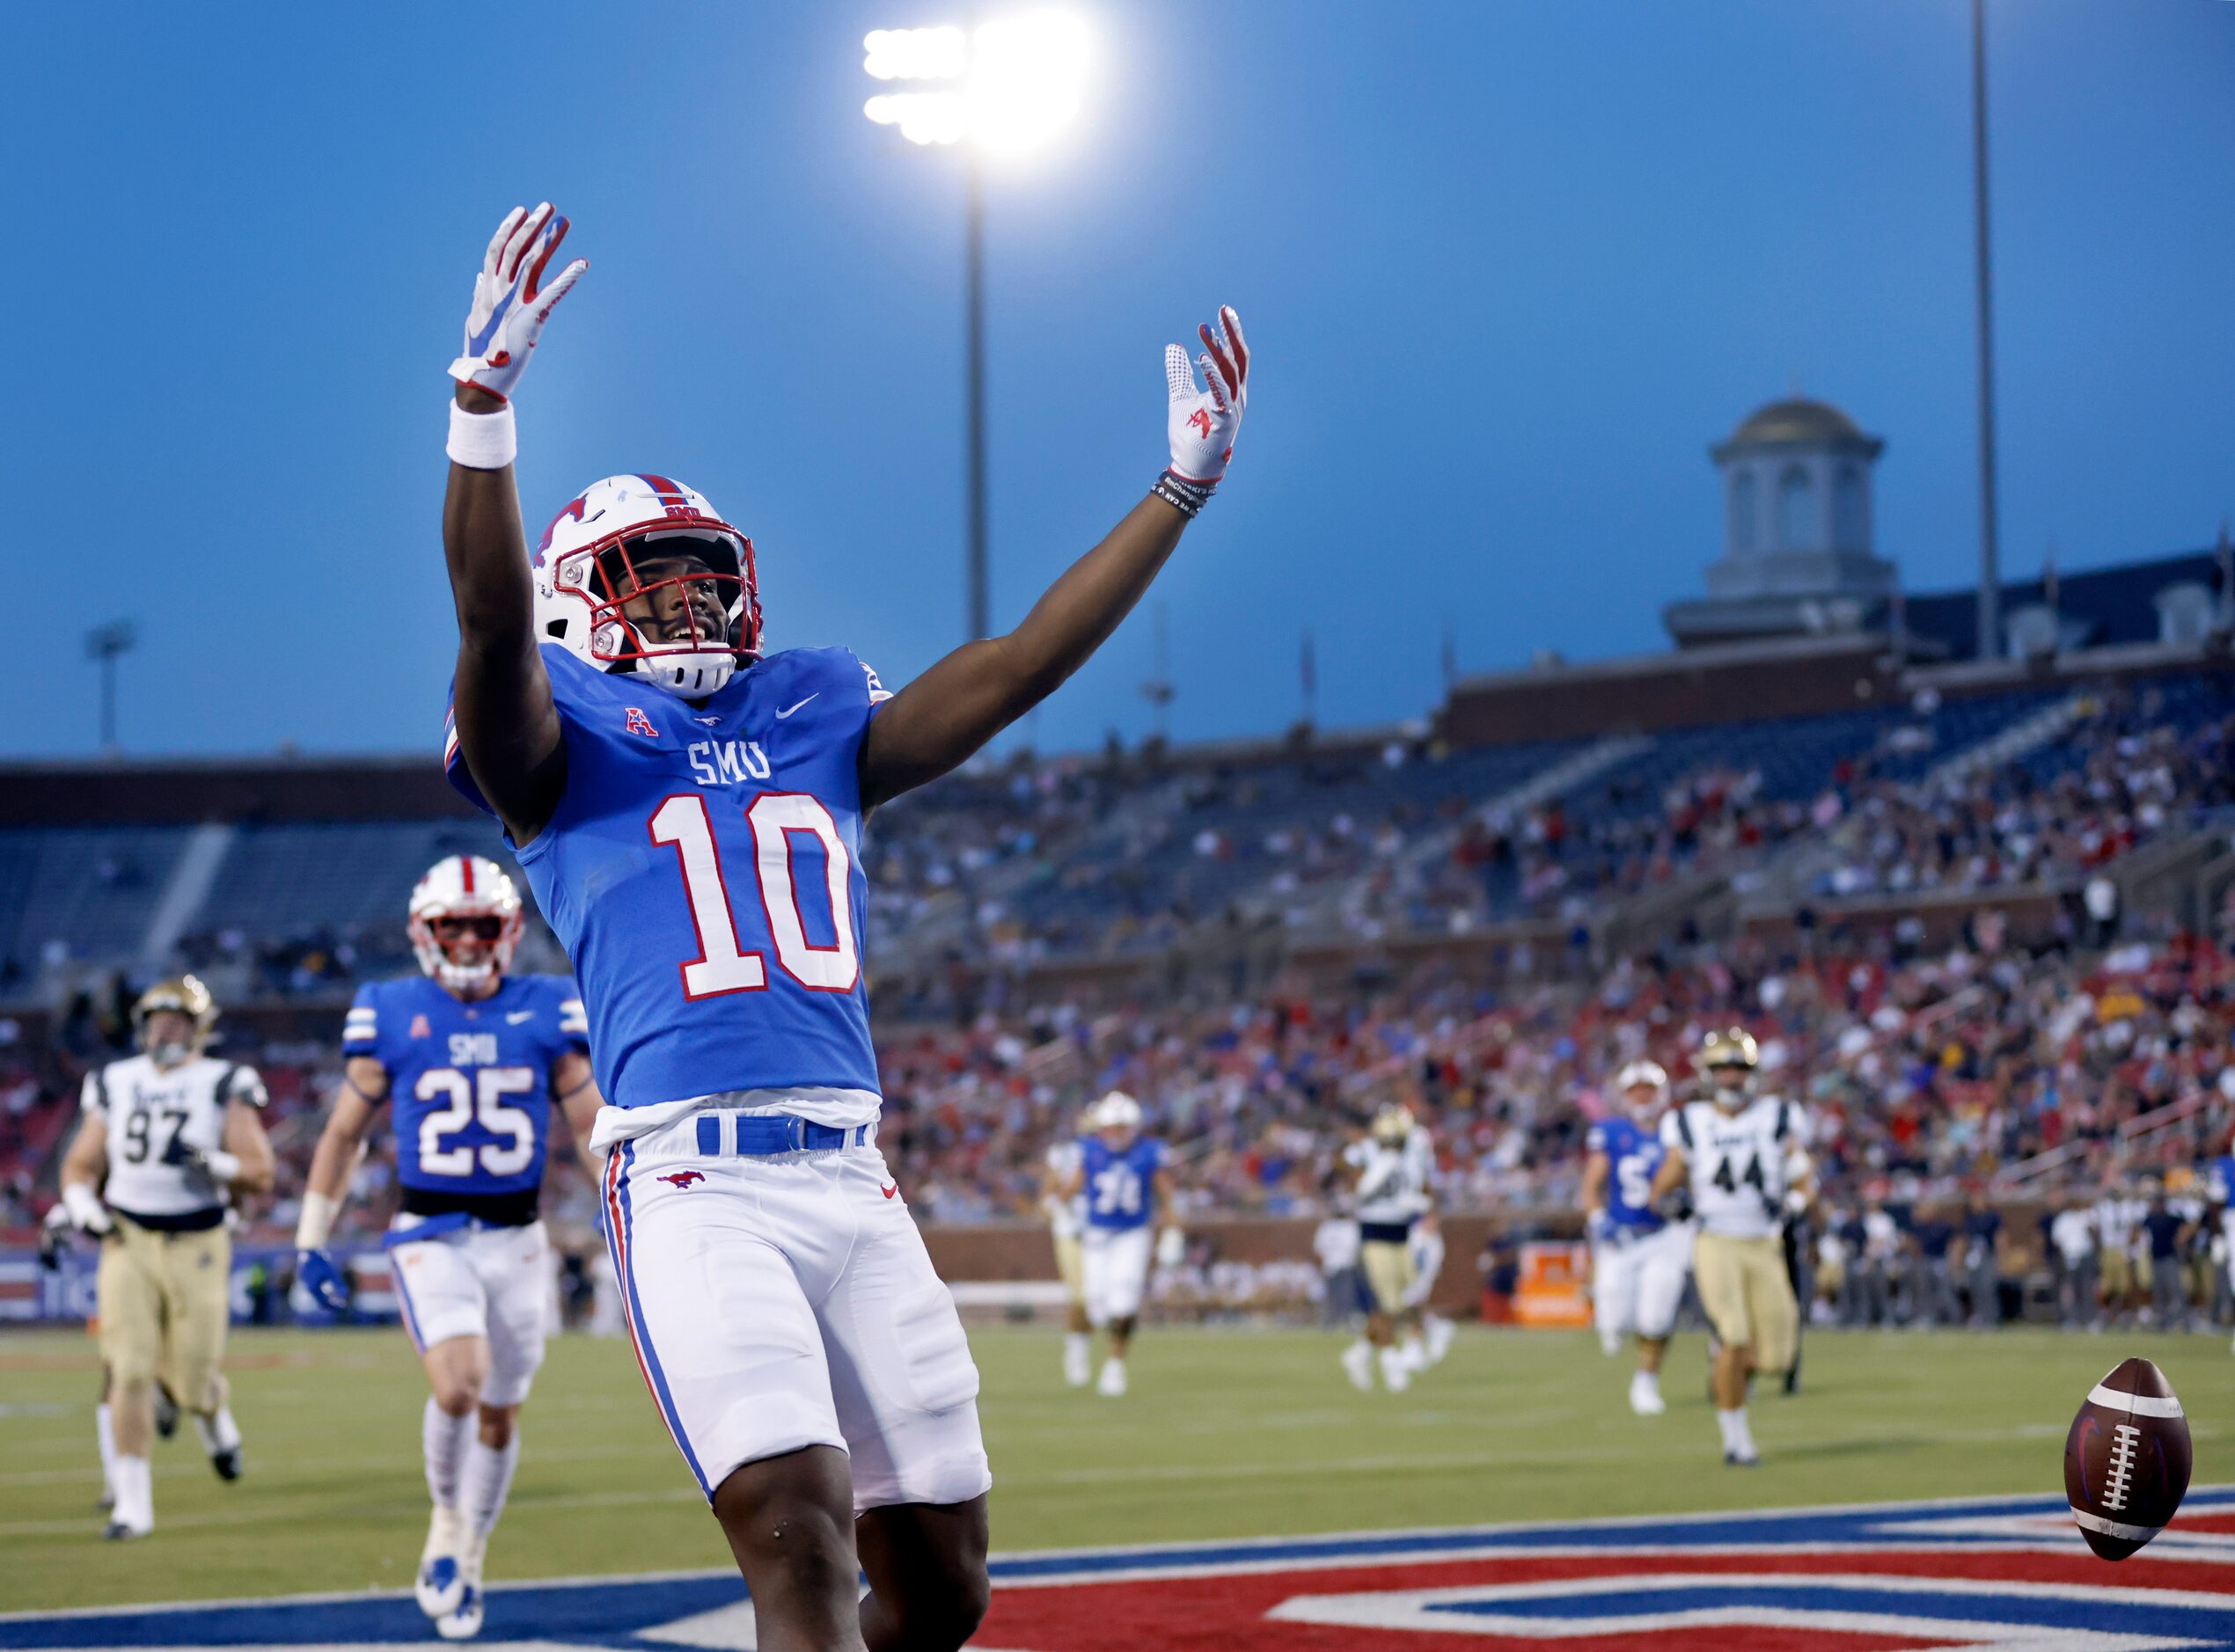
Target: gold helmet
{"points": [[1729, 1059], [183, 994], [1393, 1124]]}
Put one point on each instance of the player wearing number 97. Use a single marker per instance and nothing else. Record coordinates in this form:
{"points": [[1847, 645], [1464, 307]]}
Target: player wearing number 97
{"points": [[1746, 1157], [687, 808], [170, 1135], [471, 1056]]}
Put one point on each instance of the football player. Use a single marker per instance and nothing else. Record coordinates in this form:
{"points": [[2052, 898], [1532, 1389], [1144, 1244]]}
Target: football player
{"points": [[687, 808], [1436, 1332], [1067, 1222], [1120, 1182], [1745, 1156], [171, 1136], [472, 1058], [1639, 1260], [1394, 1164]]}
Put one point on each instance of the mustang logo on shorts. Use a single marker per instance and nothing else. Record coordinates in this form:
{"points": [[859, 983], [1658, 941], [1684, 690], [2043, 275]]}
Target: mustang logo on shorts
{"points": [[685, 1178]]}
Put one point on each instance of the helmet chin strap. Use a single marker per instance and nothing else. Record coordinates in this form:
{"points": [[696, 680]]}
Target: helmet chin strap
{"points": [[690, 674]]}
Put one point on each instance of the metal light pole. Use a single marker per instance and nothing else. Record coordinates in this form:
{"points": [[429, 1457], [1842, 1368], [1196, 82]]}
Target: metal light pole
{"points": [[980, 622], [1008, 85], [104, 646], [1990, 572]]}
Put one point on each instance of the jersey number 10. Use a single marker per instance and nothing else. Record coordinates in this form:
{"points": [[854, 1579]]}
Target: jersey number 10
{"points": [[721, 965]]}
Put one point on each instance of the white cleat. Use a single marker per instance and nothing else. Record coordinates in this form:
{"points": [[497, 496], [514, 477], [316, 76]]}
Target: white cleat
{"points": [[1077, 1366], [1357, 1362], [1644, 1396], [1113, 1379], [1397, 1371], [440, 1587], [465, 1623], [125, 1530], [1440, 1333]]}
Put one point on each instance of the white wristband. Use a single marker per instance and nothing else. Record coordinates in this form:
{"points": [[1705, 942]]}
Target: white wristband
{"points": [[317, 1225], [482, 442]]}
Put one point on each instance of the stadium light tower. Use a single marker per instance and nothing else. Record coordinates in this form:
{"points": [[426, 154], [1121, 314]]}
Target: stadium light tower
{"points": [[1004, 88], [106, 644], [1989, 557]]}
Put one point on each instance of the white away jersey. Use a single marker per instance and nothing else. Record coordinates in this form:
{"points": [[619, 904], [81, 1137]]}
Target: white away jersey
{"points": [[1737, 1161], [1393, 1181], [151, 1119], [1067, 1217]]}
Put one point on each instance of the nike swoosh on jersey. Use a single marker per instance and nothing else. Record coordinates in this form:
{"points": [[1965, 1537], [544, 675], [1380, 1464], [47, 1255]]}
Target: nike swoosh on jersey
{"points": [[789, 710], [518, 1016]]}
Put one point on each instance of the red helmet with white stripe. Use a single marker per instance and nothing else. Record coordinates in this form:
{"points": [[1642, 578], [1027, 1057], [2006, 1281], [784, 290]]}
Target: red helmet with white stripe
{"points": [[640, 577], [466, 921]]}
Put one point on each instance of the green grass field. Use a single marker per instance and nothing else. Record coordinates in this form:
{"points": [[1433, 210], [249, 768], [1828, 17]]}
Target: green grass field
{"points": [[1225, 1434]]}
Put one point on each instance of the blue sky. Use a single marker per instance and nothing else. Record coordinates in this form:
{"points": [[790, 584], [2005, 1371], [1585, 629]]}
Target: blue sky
{"points": [[1507, 270]]}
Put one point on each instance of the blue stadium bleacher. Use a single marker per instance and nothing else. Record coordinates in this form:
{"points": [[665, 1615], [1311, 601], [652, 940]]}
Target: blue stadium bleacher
{"points": [[90, 888]]}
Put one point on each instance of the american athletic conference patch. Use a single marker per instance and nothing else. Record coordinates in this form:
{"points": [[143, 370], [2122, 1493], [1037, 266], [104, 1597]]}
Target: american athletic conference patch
{"points": [[1995, 1573]]}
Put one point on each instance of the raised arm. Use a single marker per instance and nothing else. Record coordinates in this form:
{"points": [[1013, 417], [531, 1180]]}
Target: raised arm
{"points": [[943, 717], [508, 729]]}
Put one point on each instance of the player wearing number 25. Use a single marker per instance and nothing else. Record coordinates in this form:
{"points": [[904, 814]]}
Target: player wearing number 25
{"points": [[470, 1057], [688, 806]]}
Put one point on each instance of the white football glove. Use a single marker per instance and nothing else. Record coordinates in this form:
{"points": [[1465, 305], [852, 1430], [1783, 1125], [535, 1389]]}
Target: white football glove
{"points": [[87, 1213], [511, 300], [1171, 1247], [1202, 423]]}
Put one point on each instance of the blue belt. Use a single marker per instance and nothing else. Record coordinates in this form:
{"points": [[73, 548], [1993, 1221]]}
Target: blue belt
{"points": [[432, 1227], [759, 1135]]}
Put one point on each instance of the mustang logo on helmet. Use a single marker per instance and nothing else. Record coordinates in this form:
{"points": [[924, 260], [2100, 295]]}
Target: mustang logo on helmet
{"points": [[632, 562]]}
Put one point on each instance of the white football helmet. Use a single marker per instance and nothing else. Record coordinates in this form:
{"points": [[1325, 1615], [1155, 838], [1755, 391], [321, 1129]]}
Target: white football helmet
{"points": [[586, 578], [465, 886], [1117, 1111], [1641, 1075]]}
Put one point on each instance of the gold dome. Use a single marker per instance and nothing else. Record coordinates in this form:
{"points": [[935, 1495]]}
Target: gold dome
{"points": [[1799, 421]]}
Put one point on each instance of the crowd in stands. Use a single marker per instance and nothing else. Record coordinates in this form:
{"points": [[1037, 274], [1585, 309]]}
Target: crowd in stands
{"points": [[1929, 1071]]}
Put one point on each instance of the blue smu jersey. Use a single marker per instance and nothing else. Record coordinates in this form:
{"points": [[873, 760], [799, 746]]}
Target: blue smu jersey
{"points": [[704, 874], [1117, 1185], [469, 1083], [1633, 1157], [2219, 1180]]}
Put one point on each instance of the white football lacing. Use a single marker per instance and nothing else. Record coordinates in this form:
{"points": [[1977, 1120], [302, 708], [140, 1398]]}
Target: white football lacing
{"points": [[2124, 1436]]}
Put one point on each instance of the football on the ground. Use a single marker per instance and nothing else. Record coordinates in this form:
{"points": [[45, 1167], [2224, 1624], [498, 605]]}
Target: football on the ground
{"points": [[2127, 1459]]}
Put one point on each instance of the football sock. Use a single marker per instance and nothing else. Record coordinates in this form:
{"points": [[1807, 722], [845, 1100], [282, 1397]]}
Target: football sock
{"points": [[487, 1478], [218, 1433], [1078, 1347], [104, 1431], [135, 1493], [1736, 1436], [444, 1439]]}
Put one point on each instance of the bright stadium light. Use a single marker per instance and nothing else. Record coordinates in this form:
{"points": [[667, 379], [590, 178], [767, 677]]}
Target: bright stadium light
{"points": [[915, 53], [1028, 76], [1007, 87], [1011, 84]]}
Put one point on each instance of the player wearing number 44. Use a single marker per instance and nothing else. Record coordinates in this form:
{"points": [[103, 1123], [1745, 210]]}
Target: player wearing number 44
{"points": [[687, 808], [471, 1057], [1745, 1156]]}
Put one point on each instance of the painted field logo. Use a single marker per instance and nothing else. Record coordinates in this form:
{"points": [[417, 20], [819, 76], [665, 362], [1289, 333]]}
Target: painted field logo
{"points": [[2004, 1573]]}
